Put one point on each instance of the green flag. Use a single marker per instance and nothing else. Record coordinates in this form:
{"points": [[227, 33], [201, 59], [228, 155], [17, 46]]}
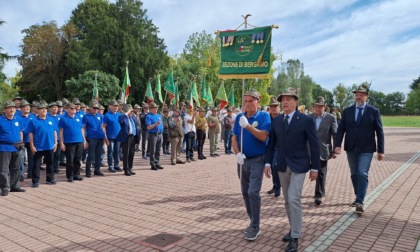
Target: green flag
{"points": [[232, 96], [158, 89], [169, 84], [149, 93], [221, 95], [175, 97], [126, 86], [194, 93], [209, 96], [95, 95], [204, 90]]}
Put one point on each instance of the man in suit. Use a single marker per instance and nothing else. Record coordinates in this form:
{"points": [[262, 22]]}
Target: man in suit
{"points": [[126, 135], [294, 136], [326, 129], [359, 123]]}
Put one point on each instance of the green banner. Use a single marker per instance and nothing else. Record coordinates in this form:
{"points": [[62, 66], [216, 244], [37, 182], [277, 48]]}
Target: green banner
{"points": [[245, 54]]}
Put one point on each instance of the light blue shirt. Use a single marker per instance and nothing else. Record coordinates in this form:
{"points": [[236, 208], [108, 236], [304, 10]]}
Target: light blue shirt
{"points": [[290, 116], [357, 110], [318, 120]]}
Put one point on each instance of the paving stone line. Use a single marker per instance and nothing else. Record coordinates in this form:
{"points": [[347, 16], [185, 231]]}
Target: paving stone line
{"points": [[329, 236]]}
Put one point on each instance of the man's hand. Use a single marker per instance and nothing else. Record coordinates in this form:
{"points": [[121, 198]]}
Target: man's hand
{"points": [[313, 175], [63, 147], [33, 149], [240, 158], [267, 172], [337, 150], [106, 141], [85, 145], [380, 156], [243, 122]]}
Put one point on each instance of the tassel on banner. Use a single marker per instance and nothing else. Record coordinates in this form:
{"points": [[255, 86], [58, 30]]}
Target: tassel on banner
{"points": [[259, 61]]}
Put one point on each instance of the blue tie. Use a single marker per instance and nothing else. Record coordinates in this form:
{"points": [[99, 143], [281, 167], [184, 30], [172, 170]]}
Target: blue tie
{"points": [[286, 122], [359, 115]]}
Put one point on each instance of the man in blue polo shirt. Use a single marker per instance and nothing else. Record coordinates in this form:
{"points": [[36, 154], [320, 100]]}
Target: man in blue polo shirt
{"points": [[112, 128], [43, 140], [73, 142], [25, 117], [10, 151], [256, 127], [92, 123], [53, 113], [154, 129]]}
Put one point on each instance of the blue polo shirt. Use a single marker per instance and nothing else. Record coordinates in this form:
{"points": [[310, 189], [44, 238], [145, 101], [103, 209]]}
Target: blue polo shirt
{"points": [[151, 119], [113, 127], [93, 124], [56, 118], [43, 131], [72, 129], [25, 121], [10, 133], [252, 146], [80, 114]]}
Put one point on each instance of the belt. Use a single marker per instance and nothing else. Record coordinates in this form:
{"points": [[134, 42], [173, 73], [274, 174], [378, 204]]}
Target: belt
{"points": [[157, 134], [254, 156]]}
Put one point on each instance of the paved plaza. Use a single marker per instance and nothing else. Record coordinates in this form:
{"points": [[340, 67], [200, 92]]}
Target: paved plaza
{"points": [[198, 207]]}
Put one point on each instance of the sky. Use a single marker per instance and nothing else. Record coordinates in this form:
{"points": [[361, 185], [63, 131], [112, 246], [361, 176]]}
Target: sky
{"points": [[344, 41]]}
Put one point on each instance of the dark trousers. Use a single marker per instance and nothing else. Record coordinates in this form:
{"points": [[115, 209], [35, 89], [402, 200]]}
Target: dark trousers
{"points": [[73, 156], [201, 138], [10, 166], [144, 139], [95, 150], [56, 157], [166, 142], [320, 180], [30, 158], [155, 142], [228, 140], [48, 158], [275, 173], [189, 140], [128, 150]]}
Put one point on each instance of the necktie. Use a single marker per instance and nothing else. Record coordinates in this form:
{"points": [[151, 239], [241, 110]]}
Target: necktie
{"points": [[359, 115], [286, 122]]}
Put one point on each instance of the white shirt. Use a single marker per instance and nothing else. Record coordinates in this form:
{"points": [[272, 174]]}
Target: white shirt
{"points": [[188, 126]]}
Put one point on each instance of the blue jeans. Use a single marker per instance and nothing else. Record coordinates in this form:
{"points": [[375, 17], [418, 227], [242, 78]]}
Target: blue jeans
{"points": [[251, 181], [228, 141], [359, 168], [95, 150], [113, 154]]}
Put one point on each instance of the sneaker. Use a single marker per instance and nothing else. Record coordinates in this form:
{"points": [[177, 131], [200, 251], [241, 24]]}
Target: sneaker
{"points": [[359, 208], [252, 233], [353, 204], [51, 182]]}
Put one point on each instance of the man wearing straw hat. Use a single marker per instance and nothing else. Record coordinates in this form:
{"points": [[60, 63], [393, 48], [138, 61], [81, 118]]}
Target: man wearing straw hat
{"points": [[294, 136], [250, 157]]}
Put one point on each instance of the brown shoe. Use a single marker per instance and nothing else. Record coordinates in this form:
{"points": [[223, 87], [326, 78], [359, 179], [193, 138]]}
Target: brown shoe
{"points": [[359, 208]]}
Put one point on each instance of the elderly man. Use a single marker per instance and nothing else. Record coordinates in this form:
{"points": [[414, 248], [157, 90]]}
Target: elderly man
{"points": [[293, 137], [112, 128], [10, 149], [175, 134], [26, 117], [190, 131], [274, 112], [250, 157], [145, 149], [214, 130], [360, 123], [326, 129], [154, 129], [128, 124], [53, 112]]}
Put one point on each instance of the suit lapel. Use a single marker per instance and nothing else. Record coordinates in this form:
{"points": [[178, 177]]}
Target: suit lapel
{"points": [[294, 120]]}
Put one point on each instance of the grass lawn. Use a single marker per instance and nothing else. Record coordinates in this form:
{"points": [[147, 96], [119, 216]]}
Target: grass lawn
{"points": [[401, 121]]}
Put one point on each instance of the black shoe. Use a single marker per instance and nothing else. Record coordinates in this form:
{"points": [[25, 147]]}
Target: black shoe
{"points": [[318, 200], [180, 162], [271, 191], [204, 157], [159, 166], [88, 175], [132, 172], [98, 173], [286, 237], [78, 178], [277, 194], [111, 170], [118, 169], [51, 182], [293, 245], [57, 172], [212, 155], [127, 173], [70, 180], [62, 164], [201, 158], [154, 168], [17, 189], [4, 193]]}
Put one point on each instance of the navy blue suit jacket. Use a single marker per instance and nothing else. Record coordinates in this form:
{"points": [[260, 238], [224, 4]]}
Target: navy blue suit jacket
{"points": [[298, 147], [362, 135], [125, 127]]}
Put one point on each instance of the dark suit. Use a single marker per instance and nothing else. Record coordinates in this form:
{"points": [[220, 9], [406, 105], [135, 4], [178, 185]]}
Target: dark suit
{"points": [[293, 161], [127, 140], [360, 144], [326, 131]]}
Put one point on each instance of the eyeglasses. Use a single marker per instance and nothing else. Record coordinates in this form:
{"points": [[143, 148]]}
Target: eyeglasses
{"points": [[72, 108]]}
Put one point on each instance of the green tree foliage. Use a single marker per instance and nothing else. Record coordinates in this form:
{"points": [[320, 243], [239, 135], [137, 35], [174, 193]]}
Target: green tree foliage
{"points": [[413, 101], [317, 90], [343, 95], [8, 91], [43, 61], [111, 34], [415, 84], [82, 86]]}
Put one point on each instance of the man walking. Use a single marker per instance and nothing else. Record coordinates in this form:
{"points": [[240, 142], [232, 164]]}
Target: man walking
{"points": [[294, 135], [359, 123], [250, 157], [274, 112], [326, 129]]}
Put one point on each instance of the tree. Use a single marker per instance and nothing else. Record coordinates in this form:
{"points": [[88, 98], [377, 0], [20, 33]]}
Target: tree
{"points": [[415, 84], [8, 91], [317, 90], [343, 95], [395, 101], [378, 100], [3, 58], [82, 86], [413, 101]]}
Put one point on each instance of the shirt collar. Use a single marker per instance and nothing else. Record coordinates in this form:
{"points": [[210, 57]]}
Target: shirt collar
{"points": [[363, 106], [255, 115], [291, 114]]}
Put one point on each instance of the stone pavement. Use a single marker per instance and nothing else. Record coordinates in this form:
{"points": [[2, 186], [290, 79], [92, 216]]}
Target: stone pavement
{"points": [[198, 207]]}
